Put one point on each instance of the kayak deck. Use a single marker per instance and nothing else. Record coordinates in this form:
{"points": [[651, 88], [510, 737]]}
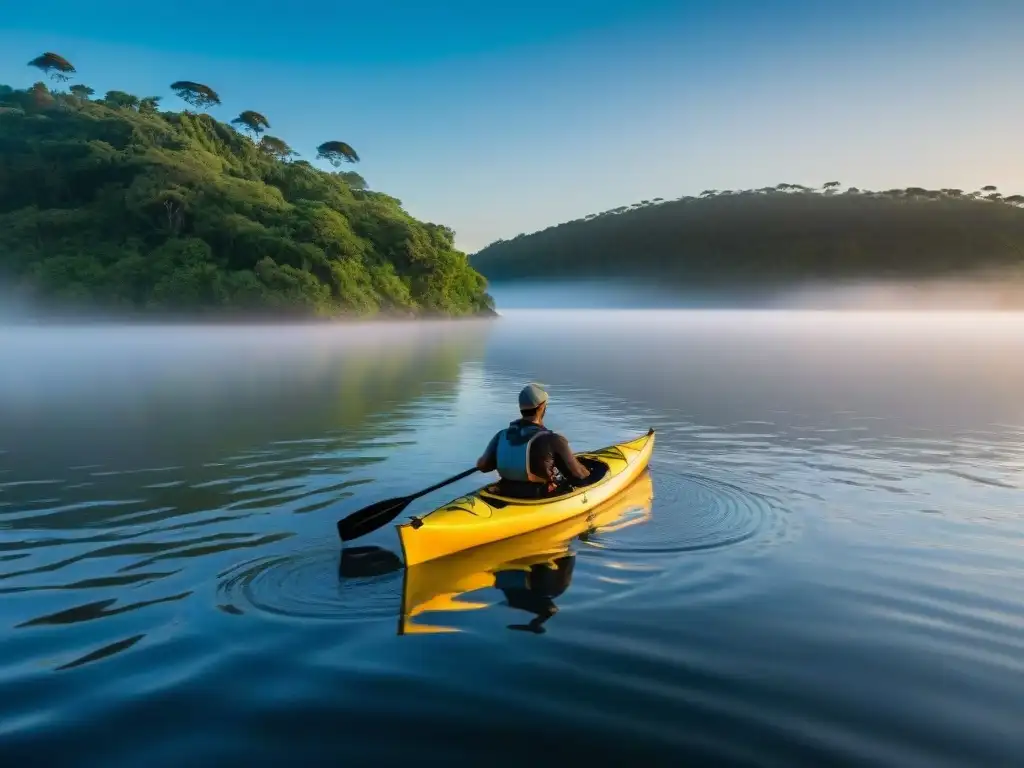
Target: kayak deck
{"points": [[482, 516]]}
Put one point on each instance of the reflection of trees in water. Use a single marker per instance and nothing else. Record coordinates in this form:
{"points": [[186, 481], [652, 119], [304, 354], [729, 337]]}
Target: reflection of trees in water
{"points": [[224, 419], [149, 460], [220, 397]]}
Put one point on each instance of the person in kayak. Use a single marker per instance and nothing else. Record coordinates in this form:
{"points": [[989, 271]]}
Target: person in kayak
{"points": [[531, 460]]}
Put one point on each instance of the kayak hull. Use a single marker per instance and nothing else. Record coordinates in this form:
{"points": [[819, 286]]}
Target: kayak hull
{"points": [[454, 583], [482, 517]]}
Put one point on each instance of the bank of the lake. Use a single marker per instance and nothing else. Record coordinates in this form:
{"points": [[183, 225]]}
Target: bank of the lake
{"points": [[767, 242], [828, 573]]}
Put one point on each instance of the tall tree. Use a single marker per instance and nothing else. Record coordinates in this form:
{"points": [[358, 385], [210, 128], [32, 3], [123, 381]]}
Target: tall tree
{"points": [[253, 122], [81, 91], [54, 65], [276, 147], [149, 104], [336, 153], [195, 94]]}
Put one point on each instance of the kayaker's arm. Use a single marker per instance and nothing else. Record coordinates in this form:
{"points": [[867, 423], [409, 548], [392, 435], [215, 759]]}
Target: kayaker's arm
{"points": [[488, 462], [567, 461]]}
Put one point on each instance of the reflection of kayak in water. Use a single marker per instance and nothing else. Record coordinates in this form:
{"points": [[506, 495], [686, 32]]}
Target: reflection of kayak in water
{"points": [[483, 516], [532, 569]]}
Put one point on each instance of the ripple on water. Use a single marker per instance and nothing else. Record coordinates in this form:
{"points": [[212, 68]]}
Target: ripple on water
{"points": [[696, 546], [307, 584], [694, 513]]}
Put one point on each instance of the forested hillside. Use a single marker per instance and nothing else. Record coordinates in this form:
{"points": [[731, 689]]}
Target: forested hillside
{"points": [[776, 234], [109, 203]]}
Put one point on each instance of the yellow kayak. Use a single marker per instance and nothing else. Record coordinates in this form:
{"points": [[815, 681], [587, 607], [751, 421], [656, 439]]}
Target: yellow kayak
{"points": [[482, 517], [440, 585]]}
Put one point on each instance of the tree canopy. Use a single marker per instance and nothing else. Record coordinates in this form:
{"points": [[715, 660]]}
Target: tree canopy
{"points": [[195, 94], [276, 147], [783, 233], [336, 153], [57, 67], [114, 205], [253, 122]]}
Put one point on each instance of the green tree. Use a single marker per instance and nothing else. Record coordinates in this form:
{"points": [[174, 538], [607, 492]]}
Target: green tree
{"points": [[41, 98], [121, 100], [352, 179], [82, 92], [276, 147], [195, 94], [336, 153], [54, 65], [253, 122]]}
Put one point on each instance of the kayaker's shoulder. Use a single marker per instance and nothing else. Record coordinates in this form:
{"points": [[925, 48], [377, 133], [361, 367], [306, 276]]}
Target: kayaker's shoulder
{"points": [[555, 439]]}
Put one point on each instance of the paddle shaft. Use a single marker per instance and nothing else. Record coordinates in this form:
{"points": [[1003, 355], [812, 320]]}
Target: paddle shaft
{"points": [[443, 483]]}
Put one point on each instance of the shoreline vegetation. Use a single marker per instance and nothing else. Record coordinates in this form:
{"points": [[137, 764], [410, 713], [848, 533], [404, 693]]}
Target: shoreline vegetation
{"points": [[111, 208], [775, 238]]}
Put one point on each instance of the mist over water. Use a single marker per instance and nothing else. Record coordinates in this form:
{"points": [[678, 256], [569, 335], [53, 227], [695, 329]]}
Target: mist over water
{"points": [[829, 571], [992, 291]]}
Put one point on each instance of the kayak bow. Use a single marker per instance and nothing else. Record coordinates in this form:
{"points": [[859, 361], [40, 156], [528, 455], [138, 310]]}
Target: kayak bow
{"points": [[483, 516]]}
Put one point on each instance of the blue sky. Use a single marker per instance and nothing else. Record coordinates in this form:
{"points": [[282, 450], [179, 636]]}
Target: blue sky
{"points": [[497, 118]]}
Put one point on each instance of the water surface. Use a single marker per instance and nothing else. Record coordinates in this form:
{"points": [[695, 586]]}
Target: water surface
{"points": [[829, 571]]}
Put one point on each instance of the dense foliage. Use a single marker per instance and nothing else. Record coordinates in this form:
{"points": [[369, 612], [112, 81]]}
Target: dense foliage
{"points": [[776, 234], [110, 203]]}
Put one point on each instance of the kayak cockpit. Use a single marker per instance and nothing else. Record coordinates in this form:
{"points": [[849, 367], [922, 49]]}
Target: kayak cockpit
{"points": [[599, 471]]}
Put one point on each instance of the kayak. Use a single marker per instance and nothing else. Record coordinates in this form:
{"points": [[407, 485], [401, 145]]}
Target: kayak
{"points": [[440, 585], [483, 516]]}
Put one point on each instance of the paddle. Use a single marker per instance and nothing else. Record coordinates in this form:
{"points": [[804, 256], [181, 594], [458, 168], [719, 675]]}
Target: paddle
{"points": [[369, 519]]}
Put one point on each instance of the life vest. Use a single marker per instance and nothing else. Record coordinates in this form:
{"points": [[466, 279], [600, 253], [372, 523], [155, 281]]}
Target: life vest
{"points": [[513, 453]]}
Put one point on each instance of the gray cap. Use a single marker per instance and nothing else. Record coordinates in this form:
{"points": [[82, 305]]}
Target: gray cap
{"points": [[532, 396]]}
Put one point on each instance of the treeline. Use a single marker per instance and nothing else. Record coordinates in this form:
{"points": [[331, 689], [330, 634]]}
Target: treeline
{"points": [[110, 203], [776, 234]]}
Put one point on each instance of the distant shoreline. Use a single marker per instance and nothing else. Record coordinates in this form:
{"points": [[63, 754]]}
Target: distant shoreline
{"points": [[769, 240]]}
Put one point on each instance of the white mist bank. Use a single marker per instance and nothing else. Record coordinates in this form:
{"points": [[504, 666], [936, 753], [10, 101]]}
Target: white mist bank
{"points": [[1003, 292]]}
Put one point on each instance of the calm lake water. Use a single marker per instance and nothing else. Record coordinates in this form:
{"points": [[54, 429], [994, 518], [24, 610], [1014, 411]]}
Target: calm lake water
{"points": [[830, 572]]}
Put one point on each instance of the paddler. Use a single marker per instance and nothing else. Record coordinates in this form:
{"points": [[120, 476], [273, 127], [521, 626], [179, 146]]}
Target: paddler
{"points": [[531, 460]]}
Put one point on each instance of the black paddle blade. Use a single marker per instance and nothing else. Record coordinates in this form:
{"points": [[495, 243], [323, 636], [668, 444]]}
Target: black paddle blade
{"points": [[364, 562], [369, 519]]}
